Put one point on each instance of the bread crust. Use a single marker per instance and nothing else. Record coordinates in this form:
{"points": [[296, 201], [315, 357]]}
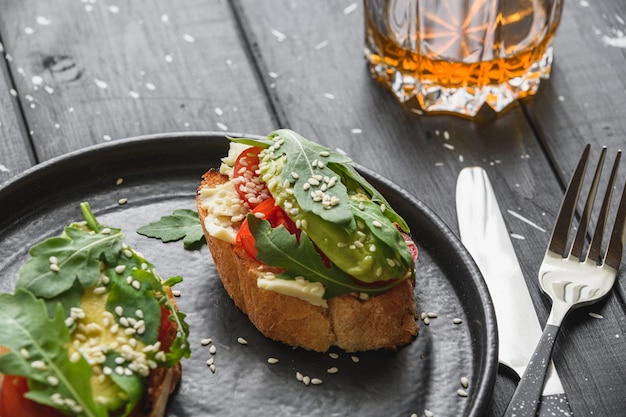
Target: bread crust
{"points": [[385, 321]]}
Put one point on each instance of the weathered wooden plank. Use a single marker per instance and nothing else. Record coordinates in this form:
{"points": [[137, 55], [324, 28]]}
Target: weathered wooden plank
{"points": [[89, 72], [15, 149], [312, 59]]}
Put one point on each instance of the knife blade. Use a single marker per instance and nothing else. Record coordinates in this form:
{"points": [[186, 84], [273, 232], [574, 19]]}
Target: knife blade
{"points": [[484, 234]]}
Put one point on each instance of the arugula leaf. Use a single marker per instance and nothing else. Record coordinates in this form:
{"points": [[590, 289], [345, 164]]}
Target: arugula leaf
{"points": [[355, 181], [78, 254], [182, 224], [277, 247], [37, 345]]}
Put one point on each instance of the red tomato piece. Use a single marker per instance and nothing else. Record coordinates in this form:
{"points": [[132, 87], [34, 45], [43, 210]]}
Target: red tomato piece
{"points": [[272, 213], [167, 330], [13, 403], [246, 178]]}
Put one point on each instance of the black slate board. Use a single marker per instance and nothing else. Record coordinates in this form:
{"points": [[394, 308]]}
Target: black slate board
{"points": [[160, 174]]}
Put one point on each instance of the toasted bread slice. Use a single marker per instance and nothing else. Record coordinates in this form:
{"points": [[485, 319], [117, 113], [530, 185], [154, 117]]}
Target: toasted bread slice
{"points": [[385, 321]]}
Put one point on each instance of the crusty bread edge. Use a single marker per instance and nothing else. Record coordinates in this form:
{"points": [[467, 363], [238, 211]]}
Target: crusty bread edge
{"points": [[385, 321]]}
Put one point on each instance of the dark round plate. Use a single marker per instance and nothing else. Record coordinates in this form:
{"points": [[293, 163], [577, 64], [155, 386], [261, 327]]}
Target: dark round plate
{"points": [[160, 174]]}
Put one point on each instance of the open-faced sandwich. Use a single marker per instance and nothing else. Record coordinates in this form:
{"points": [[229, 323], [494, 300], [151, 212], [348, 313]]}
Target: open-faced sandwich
{"points": [[307, 248], [91, 330]]}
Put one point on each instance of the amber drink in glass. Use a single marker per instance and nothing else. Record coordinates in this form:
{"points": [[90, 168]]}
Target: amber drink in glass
{"points": [[460, 55]]}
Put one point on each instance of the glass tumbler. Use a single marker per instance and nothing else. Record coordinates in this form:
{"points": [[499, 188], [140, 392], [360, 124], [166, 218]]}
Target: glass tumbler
{"points": [[460, 55]]}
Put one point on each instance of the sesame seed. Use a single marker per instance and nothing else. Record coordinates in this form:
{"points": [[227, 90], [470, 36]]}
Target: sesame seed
{"points": [[426, 321], [242, 341], [432, 315], [306, 379], [210, 362], [428, 413], [372, 248], [295, 175], [136, 284], [99, 290], [332, 370], [212, 350], [212, 368], [122, 201], [299, 376], [120, 269], [205, 342], [324, 153], [461, 393], [139, 313], [376, 223], [54, 267], [39, 365], [128, 253], [106, 231], [457, 320], [316, 381], [464, 382], [69, 321], [355, 359], [333, 355], [272, 360], [53, 260], [176, 293]]}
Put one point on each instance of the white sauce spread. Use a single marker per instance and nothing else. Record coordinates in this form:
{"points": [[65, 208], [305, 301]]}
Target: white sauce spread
{"points": [[311, 292], [224, 208]]}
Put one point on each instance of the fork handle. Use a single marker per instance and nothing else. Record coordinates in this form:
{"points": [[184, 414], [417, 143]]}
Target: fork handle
{"points": [[525, 401]]}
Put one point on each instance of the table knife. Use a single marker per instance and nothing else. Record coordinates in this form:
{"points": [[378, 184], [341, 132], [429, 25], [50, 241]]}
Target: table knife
{"points": [[484, 234]]}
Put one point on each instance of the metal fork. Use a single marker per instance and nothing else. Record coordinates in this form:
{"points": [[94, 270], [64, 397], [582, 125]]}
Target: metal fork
{"points": [[570, 277]]}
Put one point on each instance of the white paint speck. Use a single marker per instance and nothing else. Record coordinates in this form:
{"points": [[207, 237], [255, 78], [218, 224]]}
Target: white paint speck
{"points": [[321, 45], [28, 30], [168, 58], [448, 146], [150, 86], [219, 111], [37, 80], [350, 8], [280, 36], [221, 126], [518, 237], [165, 18], [619, 41], [188, 38], [356, 131], [43, 21], [114, 9], [106, 137], [100, 83], [584, 3], [525, 220], [596, 315], [3, 168], [329, 96], [133, 94]]}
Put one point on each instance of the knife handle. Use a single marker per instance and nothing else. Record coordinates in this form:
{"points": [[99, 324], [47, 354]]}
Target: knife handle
{"points": [[555, 405], [525, 401]]}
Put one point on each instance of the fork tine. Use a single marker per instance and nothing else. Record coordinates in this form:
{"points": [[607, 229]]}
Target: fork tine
{"points": [[581, 234], [558, 241], [598, 235], [618, 235]]}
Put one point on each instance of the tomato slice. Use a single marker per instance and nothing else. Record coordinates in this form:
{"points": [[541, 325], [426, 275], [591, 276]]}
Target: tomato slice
{"points": [[13, 403], [272, 213], [246, 178], [167, 330]]}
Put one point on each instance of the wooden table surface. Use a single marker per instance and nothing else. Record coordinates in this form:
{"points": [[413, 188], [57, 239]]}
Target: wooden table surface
{"points": [[83, 72]]}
